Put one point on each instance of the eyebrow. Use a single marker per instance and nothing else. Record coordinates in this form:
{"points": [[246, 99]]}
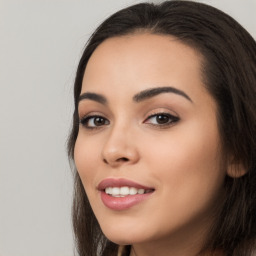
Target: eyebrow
{"points": [[143, 95], [93, 96], [149, 93]]}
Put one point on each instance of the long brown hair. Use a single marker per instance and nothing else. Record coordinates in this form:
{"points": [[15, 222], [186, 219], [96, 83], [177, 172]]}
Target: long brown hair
{"points": [[229, 73]]}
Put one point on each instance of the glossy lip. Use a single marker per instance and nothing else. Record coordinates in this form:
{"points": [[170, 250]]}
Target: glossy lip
{"points": [[110, 182], [122, 203]]}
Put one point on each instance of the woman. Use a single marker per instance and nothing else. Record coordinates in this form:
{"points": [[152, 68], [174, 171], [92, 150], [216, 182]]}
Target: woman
{"points": [[163, 137]]}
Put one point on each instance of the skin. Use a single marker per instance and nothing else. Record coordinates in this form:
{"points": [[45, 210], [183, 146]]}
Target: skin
{"points": [[181, 159]]}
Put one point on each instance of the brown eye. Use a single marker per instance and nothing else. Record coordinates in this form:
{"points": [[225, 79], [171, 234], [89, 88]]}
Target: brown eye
{"points": [[91, 122], [162, 119], [98, 121]]}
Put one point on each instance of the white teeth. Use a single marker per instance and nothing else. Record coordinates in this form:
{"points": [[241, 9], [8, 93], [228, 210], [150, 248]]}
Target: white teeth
{"points": [[141, 191], [108, 190], [133, 191], [115, 191], [124, 191]]}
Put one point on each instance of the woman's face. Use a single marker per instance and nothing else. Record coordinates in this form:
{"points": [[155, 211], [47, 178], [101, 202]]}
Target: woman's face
{"points": [[148, 147]]}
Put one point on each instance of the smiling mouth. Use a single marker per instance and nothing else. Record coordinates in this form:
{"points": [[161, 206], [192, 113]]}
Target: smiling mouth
{"points": [[126, 191], [122, 194]]}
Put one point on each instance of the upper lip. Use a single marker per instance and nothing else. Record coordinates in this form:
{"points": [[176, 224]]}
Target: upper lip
{"points": [[110, 182]]}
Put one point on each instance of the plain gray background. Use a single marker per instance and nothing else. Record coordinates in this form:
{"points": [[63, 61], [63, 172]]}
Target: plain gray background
{"points": [[40, 45]]}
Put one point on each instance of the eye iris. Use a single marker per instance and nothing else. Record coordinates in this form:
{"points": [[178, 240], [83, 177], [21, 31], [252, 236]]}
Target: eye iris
{"points": [[99, 121], [162, 119]]}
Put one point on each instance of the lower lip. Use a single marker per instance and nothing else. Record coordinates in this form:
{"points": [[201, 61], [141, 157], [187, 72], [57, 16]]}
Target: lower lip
{"points": [[122, 203]]}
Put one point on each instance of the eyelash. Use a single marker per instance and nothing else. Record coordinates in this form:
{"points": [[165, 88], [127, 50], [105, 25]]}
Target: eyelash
{"points": [[85, 121], [171, 121]]}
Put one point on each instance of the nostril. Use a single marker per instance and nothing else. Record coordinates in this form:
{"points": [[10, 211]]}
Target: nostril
{"points": [[122, 159]]}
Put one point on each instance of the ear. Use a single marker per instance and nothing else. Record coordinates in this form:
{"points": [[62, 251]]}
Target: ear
{"points": [[236, 170]]}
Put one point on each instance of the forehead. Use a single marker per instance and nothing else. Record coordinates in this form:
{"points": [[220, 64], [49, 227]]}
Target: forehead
{"points": [[141, 59]]}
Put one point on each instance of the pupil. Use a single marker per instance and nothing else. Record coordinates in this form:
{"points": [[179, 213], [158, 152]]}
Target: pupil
{"points": [[162, 119], [98, 121]]}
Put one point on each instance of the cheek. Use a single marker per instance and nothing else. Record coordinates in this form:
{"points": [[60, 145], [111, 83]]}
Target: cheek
{"points": [[189, 176], [187, 161], [85, 157]]}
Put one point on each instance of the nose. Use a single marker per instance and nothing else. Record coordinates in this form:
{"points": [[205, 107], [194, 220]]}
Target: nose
{"points": [[120, 148]]}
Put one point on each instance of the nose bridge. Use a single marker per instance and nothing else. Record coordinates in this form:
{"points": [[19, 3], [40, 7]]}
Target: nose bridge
{"points": [[120, 147]]}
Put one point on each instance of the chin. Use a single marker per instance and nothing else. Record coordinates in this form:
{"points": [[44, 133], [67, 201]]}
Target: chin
{"points": [[125, 236]]}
